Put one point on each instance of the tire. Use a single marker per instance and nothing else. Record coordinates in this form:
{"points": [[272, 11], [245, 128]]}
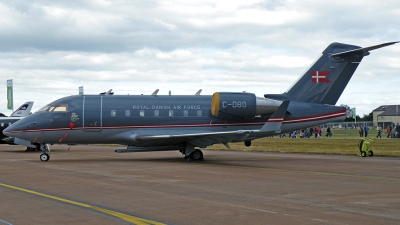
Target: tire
{"points": [[363, 153], [370, 153], [44, 157], [360, 144], [197, 155]]}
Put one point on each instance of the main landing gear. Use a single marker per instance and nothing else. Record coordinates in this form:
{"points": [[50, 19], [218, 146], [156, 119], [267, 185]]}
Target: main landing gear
{"points": [[192, 154], [45, 156]]}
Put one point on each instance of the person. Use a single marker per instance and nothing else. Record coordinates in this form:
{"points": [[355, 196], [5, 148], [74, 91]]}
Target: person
{"points": [[393, 132], [311, 132], [379, 129], [388, 131], [398, 130], [366, 128], [361, 131], [328, 132]]}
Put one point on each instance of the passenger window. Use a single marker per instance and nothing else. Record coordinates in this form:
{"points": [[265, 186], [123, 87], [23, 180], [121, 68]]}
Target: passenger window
{"points": [[141, 113], [127, 113], [171, 113], [199, 113], [113, 113], [156, 113], [185, 113], [2, 124]]}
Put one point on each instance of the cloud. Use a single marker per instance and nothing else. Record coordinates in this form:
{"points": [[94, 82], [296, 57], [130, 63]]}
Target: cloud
{"points": [[50, 48]]}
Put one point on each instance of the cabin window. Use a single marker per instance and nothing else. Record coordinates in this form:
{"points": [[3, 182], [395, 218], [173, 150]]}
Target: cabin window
{"points": [[199, 113], [141, 112], [185, 113], [2, 124], [156, 113], [127, 113], [171, 113], [113, 113]]}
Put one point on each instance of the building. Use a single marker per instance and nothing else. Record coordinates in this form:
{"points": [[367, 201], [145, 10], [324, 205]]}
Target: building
{"points": [[385, 115]]}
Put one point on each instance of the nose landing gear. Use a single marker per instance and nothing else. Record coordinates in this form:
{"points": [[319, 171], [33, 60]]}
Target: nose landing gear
{"points": [[45, 156]]}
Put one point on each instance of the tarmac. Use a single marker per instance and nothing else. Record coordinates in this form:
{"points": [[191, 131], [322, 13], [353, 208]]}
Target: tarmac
{"points": [[94, 185]]}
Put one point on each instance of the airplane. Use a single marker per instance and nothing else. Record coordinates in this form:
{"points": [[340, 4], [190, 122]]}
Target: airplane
{"points": [[187, 122], [21, 112]]}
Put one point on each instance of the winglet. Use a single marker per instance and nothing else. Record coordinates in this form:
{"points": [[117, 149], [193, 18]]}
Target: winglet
{"points": [[274, 123]]}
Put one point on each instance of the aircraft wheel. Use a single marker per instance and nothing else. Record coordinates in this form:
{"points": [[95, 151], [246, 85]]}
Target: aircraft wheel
{"points": [[247, 143], [196, 155], [370, 153], [363, 153], [44, 157]]}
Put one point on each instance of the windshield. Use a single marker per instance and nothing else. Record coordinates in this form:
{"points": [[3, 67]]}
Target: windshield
{"points": [[54, 108]]}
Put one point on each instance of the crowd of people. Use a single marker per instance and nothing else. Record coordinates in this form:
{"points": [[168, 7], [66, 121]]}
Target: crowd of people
{"points": [[393, 131], [310, 132]]}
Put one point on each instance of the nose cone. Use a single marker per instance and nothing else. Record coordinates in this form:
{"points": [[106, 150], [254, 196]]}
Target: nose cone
{"points": [[9, 131], [15, 129]]}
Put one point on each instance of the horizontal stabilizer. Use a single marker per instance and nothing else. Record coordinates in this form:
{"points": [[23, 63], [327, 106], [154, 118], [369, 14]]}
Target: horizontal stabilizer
{"points": [[274, 123], [366, 49]]}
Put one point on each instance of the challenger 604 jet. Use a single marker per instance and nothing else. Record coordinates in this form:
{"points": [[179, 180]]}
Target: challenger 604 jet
{"points": [[187, 122]]}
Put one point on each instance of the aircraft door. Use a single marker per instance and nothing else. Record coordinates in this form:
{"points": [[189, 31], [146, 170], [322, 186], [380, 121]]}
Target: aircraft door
{"points": [[92, 113]]}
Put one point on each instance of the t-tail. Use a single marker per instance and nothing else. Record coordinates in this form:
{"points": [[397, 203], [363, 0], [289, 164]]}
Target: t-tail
{"points": [[325, 81]]}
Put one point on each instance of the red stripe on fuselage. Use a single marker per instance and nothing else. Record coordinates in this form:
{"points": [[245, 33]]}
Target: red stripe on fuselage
{"points": [[304, 119]]}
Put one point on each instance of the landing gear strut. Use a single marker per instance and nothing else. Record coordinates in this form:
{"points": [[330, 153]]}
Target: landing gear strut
{"points": [[45, 156]]}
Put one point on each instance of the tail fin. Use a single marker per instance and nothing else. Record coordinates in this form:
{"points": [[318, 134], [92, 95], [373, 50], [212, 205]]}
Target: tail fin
{"points": [[23, 110], [325, 81]]}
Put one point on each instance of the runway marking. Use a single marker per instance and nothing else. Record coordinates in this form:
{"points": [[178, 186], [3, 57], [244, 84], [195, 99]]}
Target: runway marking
{"points": [[311, 172], [122, 216], [2, 221]]}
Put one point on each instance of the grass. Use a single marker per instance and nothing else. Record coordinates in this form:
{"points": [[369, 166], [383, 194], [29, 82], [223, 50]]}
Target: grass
{"points": [[343, 142]]}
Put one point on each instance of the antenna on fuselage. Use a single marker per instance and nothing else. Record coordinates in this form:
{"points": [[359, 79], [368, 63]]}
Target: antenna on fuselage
{"points": [[198, 92], [155, 92], [109, 92]]}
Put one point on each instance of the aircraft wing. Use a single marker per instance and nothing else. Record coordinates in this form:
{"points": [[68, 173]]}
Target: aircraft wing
{"points": [[202, 140]]}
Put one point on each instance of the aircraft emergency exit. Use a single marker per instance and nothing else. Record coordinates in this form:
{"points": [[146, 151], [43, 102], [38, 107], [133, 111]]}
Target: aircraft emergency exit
{"points": [[187, 122]]}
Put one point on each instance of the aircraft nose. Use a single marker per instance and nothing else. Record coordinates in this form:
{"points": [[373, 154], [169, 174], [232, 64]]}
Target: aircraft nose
{"points": [[8, 131], [13, 130]]}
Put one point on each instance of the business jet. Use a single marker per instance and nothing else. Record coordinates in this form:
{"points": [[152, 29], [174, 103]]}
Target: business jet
{"points": [[187, 122]]}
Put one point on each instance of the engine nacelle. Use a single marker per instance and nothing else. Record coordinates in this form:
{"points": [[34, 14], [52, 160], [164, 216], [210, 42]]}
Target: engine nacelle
{"points": [[241, 105]]}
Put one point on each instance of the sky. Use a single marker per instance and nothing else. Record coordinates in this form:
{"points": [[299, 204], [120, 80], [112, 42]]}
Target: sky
{"points": [[50, 48]]}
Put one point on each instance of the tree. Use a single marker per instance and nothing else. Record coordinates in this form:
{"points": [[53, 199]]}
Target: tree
{"points": [[349, 113]]}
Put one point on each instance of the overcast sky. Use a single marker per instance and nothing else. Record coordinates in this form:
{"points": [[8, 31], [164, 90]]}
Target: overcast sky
{"points": [[50, 48]]}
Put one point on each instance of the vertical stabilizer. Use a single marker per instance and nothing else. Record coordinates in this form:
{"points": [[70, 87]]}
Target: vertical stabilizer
{"points": [[325, 81], [23, 110]]}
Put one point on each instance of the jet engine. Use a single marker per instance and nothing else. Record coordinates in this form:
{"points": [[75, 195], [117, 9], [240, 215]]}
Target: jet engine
{"points": [[241, 105]]}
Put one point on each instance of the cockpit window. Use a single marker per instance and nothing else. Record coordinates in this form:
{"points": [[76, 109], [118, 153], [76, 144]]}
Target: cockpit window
{"points": [[54, 108]]}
